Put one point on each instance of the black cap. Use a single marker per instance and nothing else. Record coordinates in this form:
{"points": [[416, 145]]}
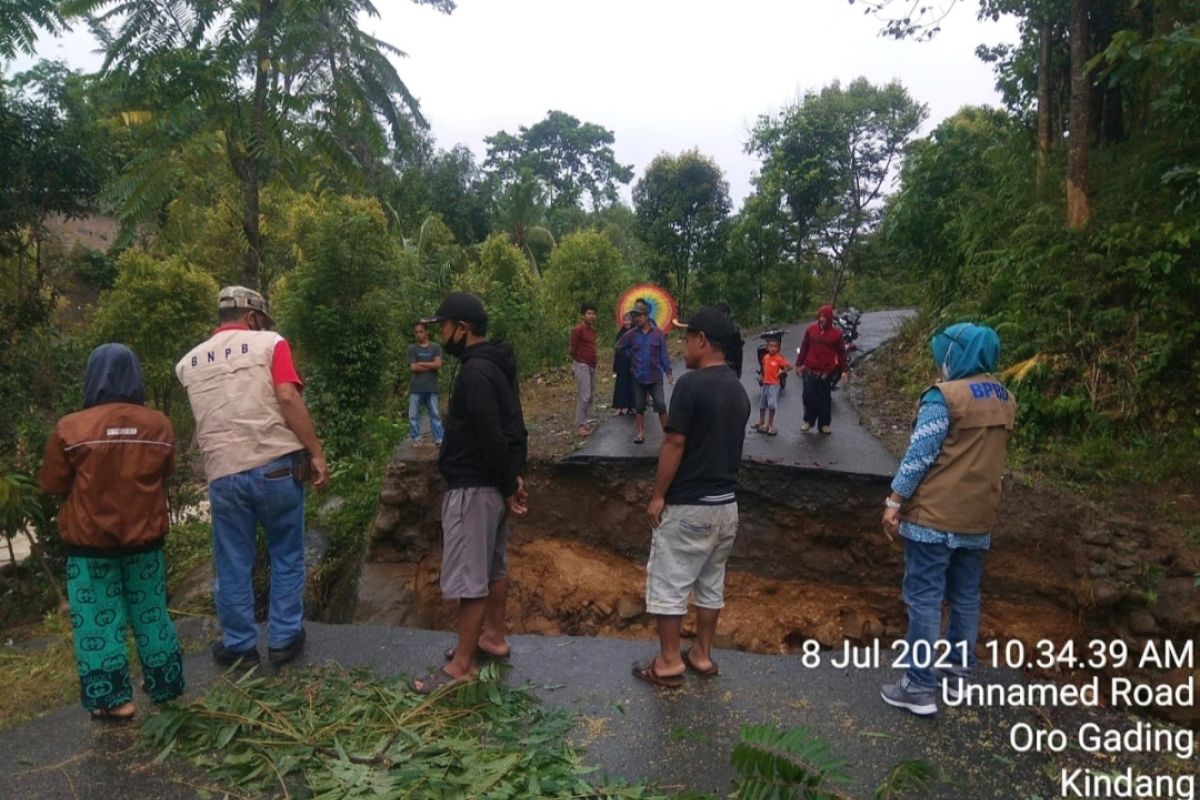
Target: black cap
{"points": [[714, 324], [461, 307]]}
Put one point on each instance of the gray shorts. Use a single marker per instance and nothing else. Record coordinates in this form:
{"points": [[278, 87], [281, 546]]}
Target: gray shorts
{"points": [[655, 390], [474, 541], [688, 554], [768, 398]]}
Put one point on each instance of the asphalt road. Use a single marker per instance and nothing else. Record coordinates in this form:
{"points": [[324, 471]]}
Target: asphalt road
{"points": [[850, 449], [631, 730]]}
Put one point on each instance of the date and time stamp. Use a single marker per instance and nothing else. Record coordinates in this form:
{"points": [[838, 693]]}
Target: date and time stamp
{"points": [[1106, 665]]}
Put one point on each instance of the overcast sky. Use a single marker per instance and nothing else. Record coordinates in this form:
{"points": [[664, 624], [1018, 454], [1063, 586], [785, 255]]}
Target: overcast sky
{"points": [[663, 75]]}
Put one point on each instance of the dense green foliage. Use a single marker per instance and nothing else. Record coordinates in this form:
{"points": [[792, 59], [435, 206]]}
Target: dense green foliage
{"points": [[153, 306], [341, 307]]}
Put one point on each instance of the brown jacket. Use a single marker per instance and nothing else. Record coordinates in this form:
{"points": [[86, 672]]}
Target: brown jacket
{"points": [[961, 491], [112, 462]]}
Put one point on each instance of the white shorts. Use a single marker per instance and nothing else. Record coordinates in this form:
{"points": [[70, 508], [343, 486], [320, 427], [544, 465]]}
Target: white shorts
{"points": [[687, 555]]}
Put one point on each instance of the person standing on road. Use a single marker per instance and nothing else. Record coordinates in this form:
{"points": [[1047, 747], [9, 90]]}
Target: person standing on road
{"points": [[259, 446], [112, 461], [485, 449], [647, 348], [694, 510], [622, 399], [773, 364], [944, 504], [583, 359], [424, 359], [821, 362]]}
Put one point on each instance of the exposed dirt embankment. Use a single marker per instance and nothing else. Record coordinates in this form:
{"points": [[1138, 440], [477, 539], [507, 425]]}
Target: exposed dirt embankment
{"points": [[809, 562]]}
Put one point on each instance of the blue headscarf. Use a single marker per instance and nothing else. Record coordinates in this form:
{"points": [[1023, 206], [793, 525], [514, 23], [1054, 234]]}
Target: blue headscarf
{"points": [[965, 349], [113, 376]]}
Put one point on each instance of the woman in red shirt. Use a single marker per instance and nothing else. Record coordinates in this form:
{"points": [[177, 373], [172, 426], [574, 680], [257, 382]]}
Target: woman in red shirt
{"points": [[821, 361]]}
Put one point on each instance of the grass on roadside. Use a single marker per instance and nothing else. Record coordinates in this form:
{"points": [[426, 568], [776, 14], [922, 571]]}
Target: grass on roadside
{"points": [[38, 676]]}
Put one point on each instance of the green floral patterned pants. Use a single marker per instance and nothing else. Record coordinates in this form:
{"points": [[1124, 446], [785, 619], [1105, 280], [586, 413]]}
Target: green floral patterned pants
{"points": [[108, 595]]}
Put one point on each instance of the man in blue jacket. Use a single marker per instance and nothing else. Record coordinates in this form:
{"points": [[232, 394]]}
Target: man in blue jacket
{"points": [[646, 345]]}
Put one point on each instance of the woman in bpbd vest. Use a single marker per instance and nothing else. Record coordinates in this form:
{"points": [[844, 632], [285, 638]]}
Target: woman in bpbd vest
{"points": [[944, 504], [112, 460]]}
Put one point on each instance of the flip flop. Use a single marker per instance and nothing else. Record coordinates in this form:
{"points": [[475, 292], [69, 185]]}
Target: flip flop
{"points": [[434, 681], [480, 655], [645, 672], [756, 427], [106, 715], [772, 432], [639, 439], [711, 672]]}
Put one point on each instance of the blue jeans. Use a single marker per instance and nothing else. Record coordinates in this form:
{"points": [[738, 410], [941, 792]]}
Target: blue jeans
{"points": [[933, 572], [430, 401], [240, 502]]}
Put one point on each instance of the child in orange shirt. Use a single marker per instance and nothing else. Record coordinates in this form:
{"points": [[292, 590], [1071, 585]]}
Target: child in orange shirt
{"points": [[768, 399]]}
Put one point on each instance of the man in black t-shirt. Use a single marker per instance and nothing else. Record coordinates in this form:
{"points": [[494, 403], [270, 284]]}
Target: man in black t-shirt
{"points": [[694, 508]]}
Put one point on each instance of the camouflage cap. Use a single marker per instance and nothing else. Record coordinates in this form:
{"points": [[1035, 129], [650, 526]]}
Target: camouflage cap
{"points": [[241, 297]]}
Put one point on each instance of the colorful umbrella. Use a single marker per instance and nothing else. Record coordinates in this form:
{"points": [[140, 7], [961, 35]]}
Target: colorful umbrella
{"points": [[663, 307]]}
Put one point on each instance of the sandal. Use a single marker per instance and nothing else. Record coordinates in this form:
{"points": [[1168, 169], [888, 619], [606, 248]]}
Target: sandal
{"points": [[757, 427], [480, 654], [639, 439], [434, 681], [107, 715], [645, 672], [772, 432], [711, 672]]}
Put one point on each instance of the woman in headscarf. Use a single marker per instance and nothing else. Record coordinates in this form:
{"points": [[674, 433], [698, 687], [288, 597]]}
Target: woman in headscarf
{"points": [[112, 461], [821, 360], [944, 504], [622, 402]]}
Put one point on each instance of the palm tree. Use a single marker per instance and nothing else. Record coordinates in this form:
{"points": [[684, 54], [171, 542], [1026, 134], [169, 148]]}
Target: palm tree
{"points": [[271, 83], [521, 211]]}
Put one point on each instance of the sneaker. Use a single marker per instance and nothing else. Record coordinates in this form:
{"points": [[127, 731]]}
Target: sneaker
{"points": [[952, 683], [904, 694], [227, 658], [825, 429], [282, 655], [806, 427]]}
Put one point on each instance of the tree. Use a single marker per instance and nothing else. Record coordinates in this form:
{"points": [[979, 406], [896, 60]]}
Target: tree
{"points": [[567, 157], [155, 307], [342, 308], [267, 81], [829, 158], [585, 267], [681, 204], [55, 158], [521, 212], [20, 21], [757, 245]]}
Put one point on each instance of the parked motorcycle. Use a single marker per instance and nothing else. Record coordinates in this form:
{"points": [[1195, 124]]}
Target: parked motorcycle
{"points": [[847, 321]]}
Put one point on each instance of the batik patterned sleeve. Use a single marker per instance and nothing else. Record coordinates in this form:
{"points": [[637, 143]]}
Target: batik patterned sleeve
{"points": [[925, 445]]}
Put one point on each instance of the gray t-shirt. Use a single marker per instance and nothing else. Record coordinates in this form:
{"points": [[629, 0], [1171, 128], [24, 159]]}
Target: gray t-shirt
{"points": [[423, 382]]}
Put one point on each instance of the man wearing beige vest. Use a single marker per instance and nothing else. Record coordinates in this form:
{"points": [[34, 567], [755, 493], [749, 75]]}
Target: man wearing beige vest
{"points": [[944, 503], [259, 444]]}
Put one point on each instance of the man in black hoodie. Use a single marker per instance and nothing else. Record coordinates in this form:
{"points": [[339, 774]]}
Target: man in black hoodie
{"points": [[482, 455]]}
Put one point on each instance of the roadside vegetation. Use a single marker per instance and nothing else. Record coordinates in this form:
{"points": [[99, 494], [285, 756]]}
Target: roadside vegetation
{"points": [[280, 149]]}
